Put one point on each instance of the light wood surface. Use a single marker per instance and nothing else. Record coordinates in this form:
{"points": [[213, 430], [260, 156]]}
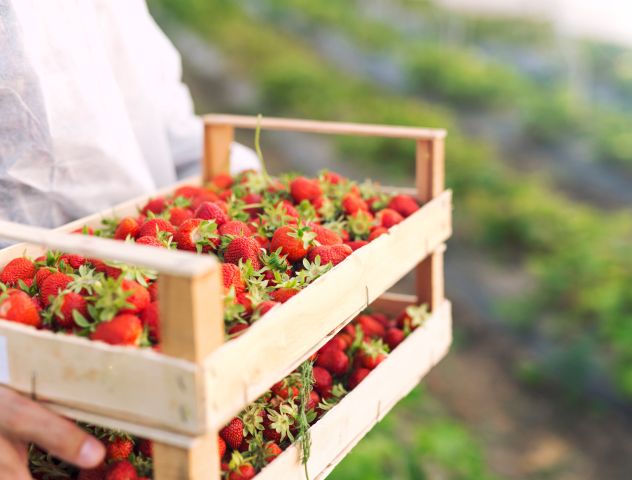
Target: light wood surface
{"points": [[217, 141]]}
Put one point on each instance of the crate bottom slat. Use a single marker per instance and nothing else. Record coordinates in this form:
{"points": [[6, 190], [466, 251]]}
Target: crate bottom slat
{"points": [[347, 423]]}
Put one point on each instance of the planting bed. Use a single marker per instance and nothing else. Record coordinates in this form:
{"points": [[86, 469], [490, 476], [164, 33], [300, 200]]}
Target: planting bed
{"points": [[221, 349]]}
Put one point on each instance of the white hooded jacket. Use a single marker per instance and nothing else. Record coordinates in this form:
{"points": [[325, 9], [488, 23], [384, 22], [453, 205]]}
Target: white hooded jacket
{"points": [[92, 109]]}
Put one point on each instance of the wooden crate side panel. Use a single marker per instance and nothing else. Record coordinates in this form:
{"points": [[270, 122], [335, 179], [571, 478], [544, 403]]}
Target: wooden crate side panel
{"points": [[344, 426], [138, 386], [237, 373]]}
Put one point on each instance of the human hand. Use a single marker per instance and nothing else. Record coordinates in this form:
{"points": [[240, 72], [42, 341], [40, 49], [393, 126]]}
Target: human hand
{"points": [[23, 421]]}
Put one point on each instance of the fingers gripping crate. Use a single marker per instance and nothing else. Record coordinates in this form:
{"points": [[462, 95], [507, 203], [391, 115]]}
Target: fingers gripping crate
{"points": [[181, 397]]}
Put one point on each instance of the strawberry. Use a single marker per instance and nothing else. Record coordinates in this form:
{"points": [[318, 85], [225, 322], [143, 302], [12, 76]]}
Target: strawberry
{"points": [[119, 449], [139, 298], [370, 326], [177, 215], [333, 254], [52, 285], [150, 242], [389, 217], [294, 241], [380, 317], [265, 306], [150, 318], [74, 261], [146, 447], [222, 181], [356, 244], [151, 228], [154, 205], [272, 450], [282, 295], [65, 304], [323, 380], [405, 205], [97, 473], [243, 248], [333, 360], [197, 235], [357, 376], [376, 232], [243, 472], [372, 354], [233, 433], [393, 337], [253, 204], [289, 209], [314, 400], [285, 391], [211, 211], [17, 269], [123, 470], [237, 328], [128, 226], [352, 204], [124, 329], [235, 228], [17, 306], [221, 446], [324, 235], [188, 191], [231, 276], [153, 291], [302, 188], [41, 275], [332, 177]]}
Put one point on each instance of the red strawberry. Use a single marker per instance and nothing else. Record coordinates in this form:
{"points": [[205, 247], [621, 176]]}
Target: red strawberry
{"points": [[211, 211], [357, 376], [70, 302], [150, 242], [330, 253], [154, 205], [150, 318], [253, 204], [370, 326], [372, 354], [243, 472], [282, 295], [188, 191], [97, 473], [41, 275], [222, 181], [238, 327], [123, 470], [128, 226], [289, 209], [393, 337], [139, 298], [332, 177], [153, 291], [281, 389], [272, 450], [119, 449], [124, 329], [376, 232], [314, 400], [221, 446], [233, 433], [325, 236], [302, 188], [75, 261], [356, 244], [405, 205], [334, 360], [352, 204], [17, 269], [52, 285], [265, 306], [151, 228], [388, 217], [146, 447], [236, 228], [293, 241], [243, 248], [231, 276], [197, 235], [380, 317], [322, 379], [244, 299], [17, 306], [177, 215]]}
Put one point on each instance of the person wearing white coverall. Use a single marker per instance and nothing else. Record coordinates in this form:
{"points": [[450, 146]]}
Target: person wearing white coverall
{"points": [[92, 112]]}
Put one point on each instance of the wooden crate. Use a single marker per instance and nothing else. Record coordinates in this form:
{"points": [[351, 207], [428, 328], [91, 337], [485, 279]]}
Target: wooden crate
{"points": [[199, 382]]}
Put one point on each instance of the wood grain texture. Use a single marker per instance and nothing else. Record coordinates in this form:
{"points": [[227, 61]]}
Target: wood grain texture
{"points": [[217, 141], [336, 433], [287, 335], [335, 128]]}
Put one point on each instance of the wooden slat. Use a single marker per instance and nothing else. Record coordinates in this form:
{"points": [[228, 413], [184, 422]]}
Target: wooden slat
{"points": [[314, 126], [430, 182], [217, 140], [174, 262], [138, 386], [286, 336], [393, 303], [336, 433]]}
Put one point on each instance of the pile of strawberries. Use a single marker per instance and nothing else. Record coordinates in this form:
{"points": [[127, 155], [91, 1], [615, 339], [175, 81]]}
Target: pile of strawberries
{"points": [[274, 235], [273, 422]]}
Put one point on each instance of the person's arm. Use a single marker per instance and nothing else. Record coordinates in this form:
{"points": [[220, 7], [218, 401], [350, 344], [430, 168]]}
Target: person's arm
{"points": [[23, 421]]}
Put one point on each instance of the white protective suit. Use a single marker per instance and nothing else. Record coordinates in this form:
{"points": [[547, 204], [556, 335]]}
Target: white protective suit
{"points": [[92, 109]]}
